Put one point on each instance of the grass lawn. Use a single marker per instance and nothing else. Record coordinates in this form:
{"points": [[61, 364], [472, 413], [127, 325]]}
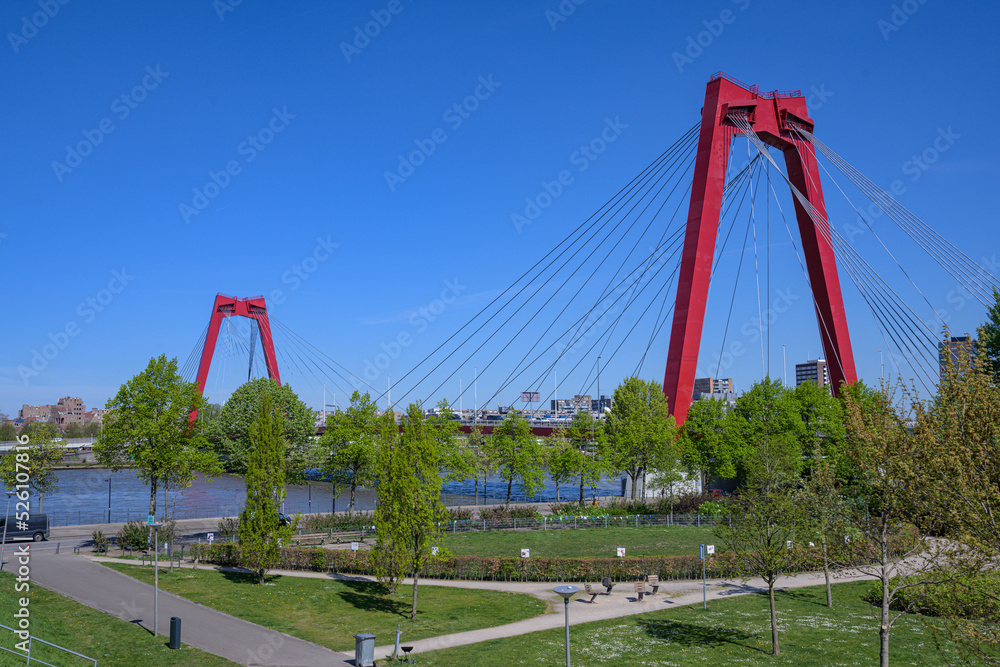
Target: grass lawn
{"points": [[110, 640], [584, 542], [329, 612], [732, 632]]}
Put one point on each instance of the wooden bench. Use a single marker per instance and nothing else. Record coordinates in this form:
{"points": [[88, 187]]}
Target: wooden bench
{"points": [[592, 591], [310, 539], [654, 583], [608, 584], [640, 589]]}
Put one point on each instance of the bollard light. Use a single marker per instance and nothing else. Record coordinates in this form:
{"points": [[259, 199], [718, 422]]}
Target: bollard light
{"points": [[566, 592]]}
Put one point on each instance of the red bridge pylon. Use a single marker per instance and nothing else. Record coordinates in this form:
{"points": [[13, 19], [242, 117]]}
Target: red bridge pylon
{"points": [[769, 114]]}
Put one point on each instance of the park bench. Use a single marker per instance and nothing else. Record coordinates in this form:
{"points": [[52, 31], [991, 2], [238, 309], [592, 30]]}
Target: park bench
{"points": [[654, 583], [608, 584], [592, 591], [310, 539], [640, 589]]}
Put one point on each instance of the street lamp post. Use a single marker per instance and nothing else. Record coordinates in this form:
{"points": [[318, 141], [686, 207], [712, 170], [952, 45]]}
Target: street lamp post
{"points": [[566, 592], [6, 516]]}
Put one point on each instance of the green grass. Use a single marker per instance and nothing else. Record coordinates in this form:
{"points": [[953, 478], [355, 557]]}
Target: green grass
{"points": [[732, 632], [583, 542], [110, 640], [329, 612]]}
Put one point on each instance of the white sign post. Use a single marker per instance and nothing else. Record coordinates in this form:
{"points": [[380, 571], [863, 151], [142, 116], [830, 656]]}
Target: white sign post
{"points": [[354, 546], [704, 584], [525, 553], [211, 538], [621, 552]]}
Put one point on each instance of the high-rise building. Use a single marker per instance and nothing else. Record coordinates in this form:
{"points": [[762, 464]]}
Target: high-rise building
{"points": [[814, 370], [953, 349], [712, 386]]}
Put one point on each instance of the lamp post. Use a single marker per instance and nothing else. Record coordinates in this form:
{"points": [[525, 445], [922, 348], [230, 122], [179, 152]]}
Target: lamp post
{"points": [[156, 575], [6, 516], [109, 498], [566, 592]]}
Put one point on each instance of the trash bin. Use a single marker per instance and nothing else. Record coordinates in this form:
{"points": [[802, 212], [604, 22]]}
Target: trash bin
{"points": [[364, 649], [175, 632]]}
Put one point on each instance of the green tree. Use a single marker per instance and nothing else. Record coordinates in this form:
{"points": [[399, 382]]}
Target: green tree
{"points": [[587, 436], [37, 455], [482, 462], [347, 449], [887, 483], [8, 432], [259, 533], [517, 454], [92, 429], [767, 416], [958, 458], [704, 448], [409, 512], [822, 418], [759, 526], [822, 512], [74, 430], [989, 337], [640, 430], [148, 428], [562, 459], [231, 430]]}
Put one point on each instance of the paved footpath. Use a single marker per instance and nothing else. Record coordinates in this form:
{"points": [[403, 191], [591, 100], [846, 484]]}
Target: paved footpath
{"points": [[85, 580], [109, 591]]}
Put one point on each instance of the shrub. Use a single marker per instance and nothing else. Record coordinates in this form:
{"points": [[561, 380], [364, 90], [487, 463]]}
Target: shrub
{"points": [[943, 595], [320, 522], [459, 514], [133, 535], [505, 512], [100, 542], [228, 526]]}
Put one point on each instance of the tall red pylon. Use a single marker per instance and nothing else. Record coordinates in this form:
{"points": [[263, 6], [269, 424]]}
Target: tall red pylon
{"points": [[770, 115], [228, 306]]}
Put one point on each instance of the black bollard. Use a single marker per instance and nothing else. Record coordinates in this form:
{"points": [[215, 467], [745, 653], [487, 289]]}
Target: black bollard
{"points": [[175, 632]]}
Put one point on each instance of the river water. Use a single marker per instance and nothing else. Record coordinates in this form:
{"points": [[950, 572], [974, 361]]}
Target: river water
{"points": [[83, 497]]}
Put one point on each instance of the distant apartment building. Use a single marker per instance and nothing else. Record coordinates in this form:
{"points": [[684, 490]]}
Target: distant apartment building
{"points": [[602, 404], [578, 402], [814, 370], [67, 410], [712, 386], [35, 413], [953, 349]]}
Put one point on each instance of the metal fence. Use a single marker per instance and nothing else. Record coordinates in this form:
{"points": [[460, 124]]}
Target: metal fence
{"points": [[32, 640], [570, 522]]}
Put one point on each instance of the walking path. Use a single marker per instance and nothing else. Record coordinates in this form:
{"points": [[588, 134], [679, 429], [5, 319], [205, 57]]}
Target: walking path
{"points": [[621, 602]]}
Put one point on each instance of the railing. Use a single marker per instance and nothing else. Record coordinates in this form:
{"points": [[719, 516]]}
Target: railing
{"points": [[755, 89], [563, 522], [31, 640]]}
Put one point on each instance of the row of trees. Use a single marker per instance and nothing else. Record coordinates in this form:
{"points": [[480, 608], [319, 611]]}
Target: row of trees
{"points": [[908, 488]]}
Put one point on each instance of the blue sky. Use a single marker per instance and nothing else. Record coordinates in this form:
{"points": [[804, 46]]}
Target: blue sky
{"points": [[243, 148]]}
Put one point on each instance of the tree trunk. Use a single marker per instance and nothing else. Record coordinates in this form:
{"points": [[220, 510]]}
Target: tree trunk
{"points": [[166, 502], [557, 490], [643, 496], [883, 632], [477, 489], [509, 485], [826, 574], [413, 610], [152, 496], [581, 488], [775, 647], [634, 477], [354, 485], [40, 510]]}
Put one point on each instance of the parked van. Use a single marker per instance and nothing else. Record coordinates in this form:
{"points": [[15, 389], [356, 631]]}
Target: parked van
{"points": [[36, 528]]}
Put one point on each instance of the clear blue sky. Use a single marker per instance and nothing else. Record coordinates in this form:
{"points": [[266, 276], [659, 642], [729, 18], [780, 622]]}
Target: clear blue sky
{"points": [[198, 80]]}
